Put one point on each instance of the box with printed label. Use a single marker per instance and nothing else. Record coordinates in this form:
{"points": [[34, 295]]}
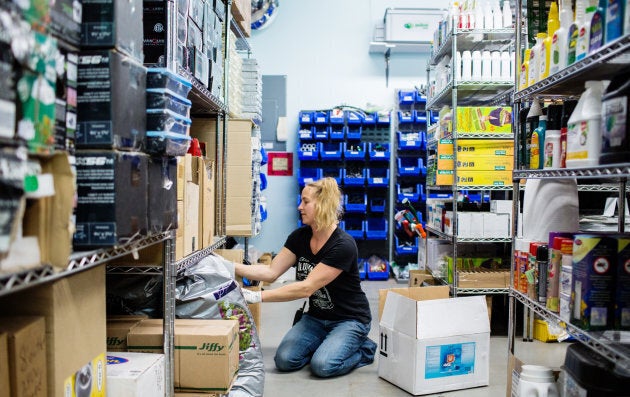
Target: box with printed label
{"points": [[484, 178], [423, 352], [89, 380], [485, 147], [118, 328], [484, 119], [206, 351], [135, 374]]}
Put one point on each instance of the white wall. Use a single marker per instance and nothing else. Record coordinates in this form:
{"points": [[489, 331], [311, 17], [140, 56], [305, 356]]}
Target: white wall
{"points": [[322, 47]]}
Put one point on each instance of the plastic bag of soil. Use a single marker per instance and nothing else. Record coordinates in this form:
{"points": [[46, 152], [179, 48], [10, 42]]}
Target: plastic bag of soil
{"points": [[207, 290]]}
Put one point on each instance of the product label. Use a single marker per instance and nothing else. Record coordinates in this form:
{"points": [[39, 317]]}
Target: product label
{"points": [[573, 39], [582, 44], [542, 71], [597, 32], [622, 298], [449, 360], [613, 20], [614, 117], [555, 55]]}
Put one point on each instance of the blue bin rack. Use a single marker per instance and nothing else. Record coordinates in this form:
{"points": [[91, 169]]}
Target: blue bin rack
{"points": [[355, 202], [406, 247], [410, 166], [377, 204], [263, 181], [306, 133], [411, 140], [308, 151], [354, 227], [336, 116], [353, 117], [383, 118], [406, 116], [362, 268], [321, 133], [320, 118], [378, 177], [354, 132], [306, 117], [376, 229], [354, 151], [406, 97], [377, 274], [378, 151], [307, 175], [414, 196], [421, 99], [333, 172], [369, 119], [353, 180], [330, 151], [420, 117], [338, 132]]}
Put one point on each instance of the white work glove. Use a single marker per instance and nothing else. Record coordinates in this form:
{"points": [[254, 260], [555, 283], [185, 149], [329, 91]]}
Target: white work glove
{"points": [[252, 296]]}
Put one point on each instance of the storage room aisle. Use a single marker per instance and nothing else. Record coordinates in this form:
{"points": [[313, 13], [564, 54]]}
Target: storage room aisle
{"points": [[364, 382]]}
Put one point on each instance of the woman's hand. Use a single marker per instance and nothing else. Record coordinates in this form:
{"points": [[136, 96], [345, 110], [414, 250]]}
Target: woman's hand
{"points": [[252, 296]]}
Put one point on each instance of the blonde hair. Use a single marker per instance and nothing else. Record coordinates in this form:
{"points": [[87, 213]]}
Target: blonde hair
{"points": [[328, 205]]}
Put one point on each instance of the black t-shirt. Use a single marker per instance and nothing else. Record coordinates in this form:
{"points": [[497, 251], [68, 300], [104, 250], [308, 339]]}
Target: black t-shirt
{"points": [[343, 298]]}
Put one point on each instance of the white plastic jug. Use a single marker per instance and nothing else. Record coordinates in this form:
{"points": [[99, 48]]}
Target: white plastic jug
{"points": [[537, 381]]}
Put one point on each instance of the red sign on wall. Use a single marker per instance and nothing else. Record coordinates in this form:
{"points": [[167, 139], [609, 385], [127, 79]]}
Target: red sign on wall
{"points": [[280, 164]]}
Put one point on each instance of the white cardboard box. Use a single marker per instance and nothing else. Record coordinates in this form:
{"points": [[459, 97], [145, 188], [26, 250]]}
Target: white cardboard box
{"points": [[135, 374], [436, 345]]}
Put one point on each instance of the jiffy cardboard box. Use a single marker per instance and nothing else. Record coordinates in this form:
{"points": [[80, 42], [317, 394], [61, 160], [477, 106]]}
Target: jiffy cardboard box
{"points": [[206, 351], [135, 374], [430, 345]]}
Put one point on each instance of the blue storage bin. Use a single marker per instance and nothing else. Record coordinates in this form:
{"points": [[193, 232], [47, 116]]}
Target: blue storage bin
{"points": [[354, 227], [321, 133], [376, 229], [369, 119], [164, 120], [409, 166], [406, 246], [383, 118], [308, 151], [354, 132], [162, 98], [164, 78], [306, 117], [413, 193], [378, 177], [306, 133], [421, 99], [336, 116], [333, 173], [433, 116], [378, 151], [354, 151], [377, 204], [263, 155], [406, 97], [377, 268], [263, 213], [355, 202], [337, 132], [320, 117], [354, 117], [362, 268], [409, 140], [351, 178], [330, 151], [263, 181], [406, 117], [420, 116], [307, 175], [167, 143]]}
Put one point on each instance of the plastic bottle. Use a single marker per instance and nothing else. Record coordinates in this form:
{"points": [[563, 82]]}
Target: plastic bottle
{"points": [[534, 60], [545, 47], [507, 14], [567, 110], [551, 146], [542, 264], [535, 111], [584, 37], [536, 142], [584, 133], [536, 380], [506, 66], [524, 75], [488, 21], [574, 31], [486, 66], [559, 41], [598, 27], [496, 65], [458, 66], [497, 15], [626, 19], [466, 66], [615, 122], [476, 65], [478, 16], [614, 19]]}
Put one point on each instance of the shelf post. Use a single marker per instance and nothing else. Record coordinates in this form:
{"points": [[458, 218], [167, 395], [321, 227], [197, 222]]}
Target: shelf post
{"points": [[169, 313]]}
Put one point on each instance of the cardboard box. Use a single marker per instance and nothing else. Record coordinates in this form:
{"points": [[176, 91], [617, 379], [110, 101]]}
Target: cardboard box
{"points": [[423, 352], [4, 363], [485, 147], [470, 162], [484, 119], [26, 337], [135, 374], [418, 278], [484, 178], [50, 218], [88, 380], [206, 351], [106, 180], [433, 292], [117, 330], [207, 180], [483, 278], [74, 308], [188, 192], [254, 308], [111, 91], [515, 367]]}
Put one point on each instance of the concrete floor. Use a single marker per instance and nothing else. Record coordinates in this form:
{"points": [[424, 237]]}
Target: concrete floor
{"points": [[365, 382]]}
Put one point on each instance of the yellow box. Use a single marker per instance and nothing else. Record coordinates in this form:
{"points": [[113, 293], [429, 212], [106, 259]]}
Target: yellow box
{"points": [[486, 147], [484, 119], [541, 331], [444, 177], [445, 161], [445, 146], [484, 163], [90, 377], [484, 178]]}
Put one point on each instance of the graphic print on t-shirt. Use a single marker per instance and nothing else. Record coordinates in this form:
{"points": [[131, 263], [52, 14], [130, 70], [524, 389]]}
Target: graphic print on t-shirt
{"points": [[321, 298]]}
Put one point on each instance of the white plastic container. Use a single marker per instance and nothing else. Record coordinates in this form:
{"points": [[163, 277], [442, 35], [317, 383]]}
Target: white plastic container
{"points": [[496, 65], [497, 15], [584, 137], [466, 66], [534, 60], [506, 66], [458, 66], [537, 381], [560, 42], [488, 21], [476, 65], [486, 66], [507, 14], [584, 37]]}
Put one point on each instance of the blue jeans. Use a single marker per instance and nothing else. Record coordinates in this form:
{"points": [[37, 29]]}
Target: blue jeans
{"points": [[332, 348]]}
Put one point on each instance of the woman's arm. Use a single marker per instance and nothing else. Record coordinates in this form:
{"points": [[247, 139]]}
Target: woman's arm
{"points": [[280, 264], [320, 276]]}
